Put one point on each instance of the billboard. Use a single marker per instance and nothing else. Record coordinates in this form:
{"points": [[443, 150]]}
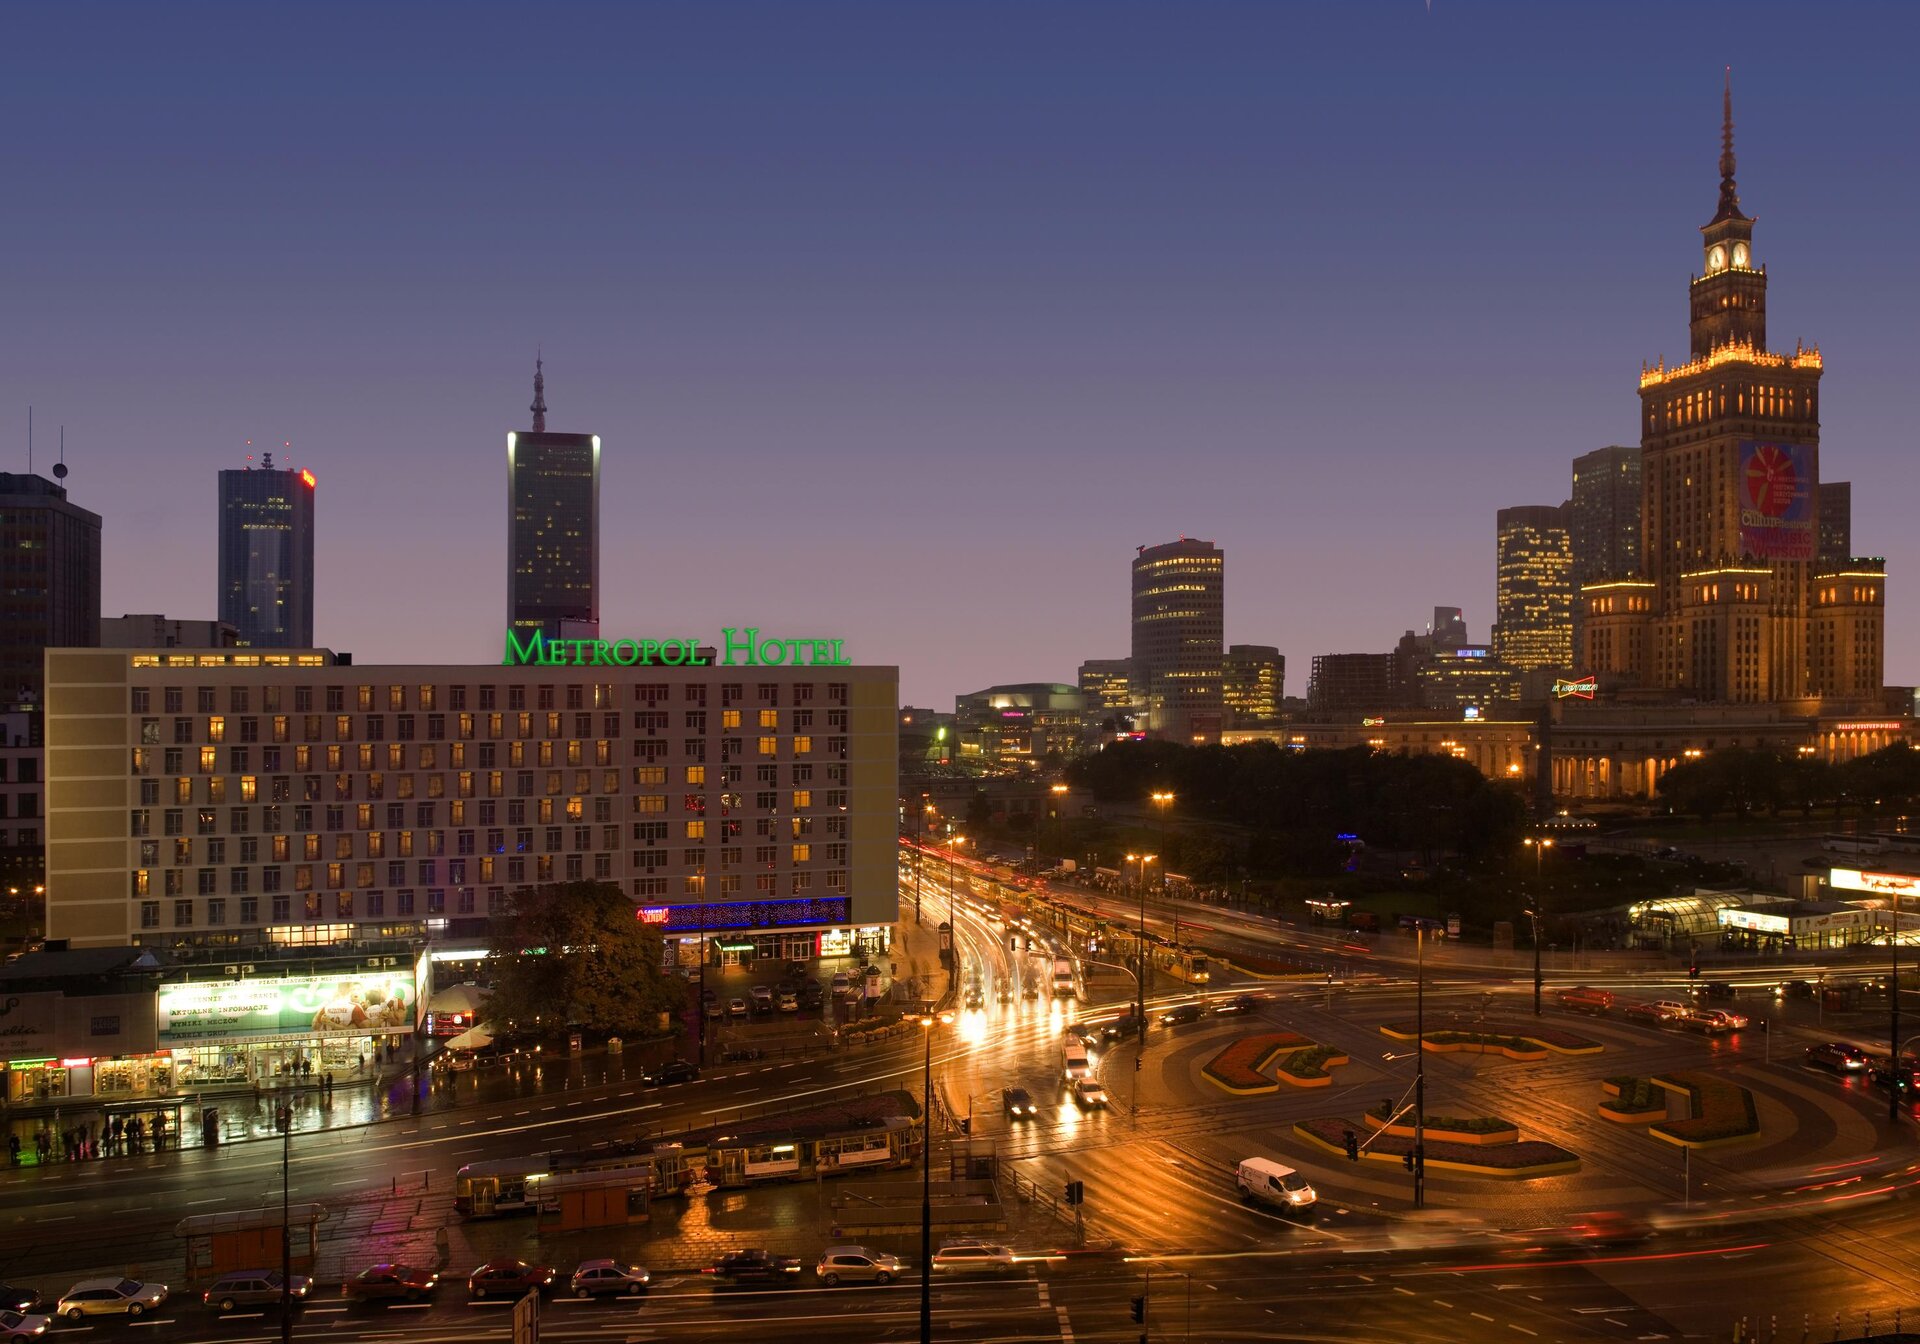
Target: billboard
{"points": [[357, 1002], [1776, 500]]}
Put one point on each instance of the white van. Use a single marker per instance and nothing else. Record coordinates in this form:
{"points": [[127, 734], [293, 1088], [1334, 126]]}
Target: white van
{"points": [[1269, 1182], [1073, 1062]]}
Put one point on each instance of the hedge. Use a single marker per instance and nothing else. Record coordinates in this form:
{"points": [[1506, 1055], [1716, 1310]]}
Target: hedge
{"points": [[1308, 1067], [1629, 1093], [1238, 1068], [1524, 1160], [1478, 1124], [1267, 968], [1719, 1110], [1528, 1041]]}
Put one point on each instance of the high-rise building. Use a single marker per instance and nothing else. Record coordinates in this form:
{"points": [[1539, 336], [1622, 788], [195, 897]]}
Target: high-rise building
{"points": [[1449, 628], [159, 632], [1019, 725], [1253, 684], [1109, 692], [553, 527], [1533, 623], [1179, 606], [1352, 685], [49, 579], [1603, 520], [1738, 605], [266, 555], [1836, 522]]}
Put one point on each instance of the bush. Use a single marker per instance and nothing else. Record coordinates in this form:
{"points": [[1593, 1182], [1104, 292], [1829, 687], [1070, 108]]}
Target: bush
{"points": [[1508, 1157], [1634, 1096], [1479, 1124], [1719, 1109], [1311, 1062], [1238, 1067]]}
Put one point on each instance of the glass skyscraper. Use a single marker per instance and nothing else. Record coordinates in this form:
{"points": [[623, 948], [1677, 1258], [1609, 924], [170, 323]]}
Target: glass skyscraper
{"points": [[266, 555]]}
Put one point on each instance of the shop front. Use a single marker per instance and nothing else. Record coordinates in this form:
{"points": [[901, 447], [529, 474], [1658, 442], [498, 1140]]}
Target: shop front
{"points": [[55, 1046], [267, 1029]]}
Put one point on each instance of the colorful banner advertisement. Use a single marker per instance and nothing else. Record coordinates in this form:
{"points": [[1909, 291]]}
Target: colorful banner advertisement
{"points": [[1776, 500], [357, 1002]]}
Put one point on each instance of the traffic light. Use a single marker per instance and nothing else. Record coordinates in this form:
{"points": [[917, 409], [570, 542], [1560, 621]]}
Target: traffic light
{"points": [[1136, 1063], [1013, 942], [1407, 1157], [1353, 1145], [966, 1124], [1138, 1309], [1076, 1193]]}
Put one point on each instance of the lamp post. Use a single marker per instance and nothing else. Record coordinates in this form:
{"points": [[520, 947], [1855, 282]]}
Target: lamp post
{"points": [[1893, 999], [1162, 800], [926, 1181], [1140, 946], [1420, 1067], [702, 1019], [283, 1119], [1539, 845], [919, 835]]}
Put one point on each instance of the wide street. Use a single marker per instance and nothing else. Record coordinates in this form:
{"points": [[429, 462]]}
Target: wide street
{"points": [[1798, 1223]]}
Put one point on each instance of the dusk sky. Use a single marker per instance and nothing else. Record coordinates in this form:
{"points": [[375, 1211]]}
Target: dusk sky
{"points": [[906, 323]]}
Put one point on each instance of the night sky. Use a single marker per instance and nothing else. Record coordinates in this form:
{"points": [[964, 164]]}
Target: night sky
{"points": [[906, 323]]}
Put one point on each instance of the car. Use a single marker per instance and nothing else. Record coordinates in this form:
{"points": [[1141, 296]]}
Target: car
{"points": [[1838, 1056], [811, 995], [840, 982], [1888, 1079], [1265, 1181], [608, 1278], [1610, 1227], [1712, 1020], [1796, 989], [1087, 1036], [752, 1266], [1003, 993], [762, 998], [737, 1007], [1181, 1015], [673, 1071], [509, 1278], [691, 974], [1719, 989], [715, 1011], [1585, 999], [255, 1288], [1017, 1103], [1121, 1028], [975, 999], [1644, 1012], [967, 1255], [1670, 1010], [1089, 1095], [1029, 990], [391, 1283], [23, 1300], [110, 1297], [1233, 1007], [856, 1264], [14, 1325], [788, 1001], [797, 970]]}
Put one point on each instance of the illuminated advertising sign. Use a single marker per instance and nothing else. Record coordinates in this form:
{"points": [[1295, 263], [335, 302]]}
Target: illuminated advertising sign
{"points": [[348, 1002], [1881, 884], [656, 914], [1583, 687], [1754, 920], [1371, 722], [1776, 500], [737, 647]]}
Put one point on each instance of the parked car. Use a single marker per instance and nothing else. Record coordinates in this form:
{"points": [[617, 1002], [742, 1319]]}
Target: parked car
{"points": [[737, 1007], [762, 998], [673, 1071], [1584, 999], [1233, 1007], [609, 1278], [254, 1288], [840, 982], [1089, 1095], [392, 1283], [110, 1297], [1644, 1012], [514, 1278], [1181, 1015], [1670, 1010], [1017, 1102], [856, 1264], [968, 1255], [789, 1001], [1838, 1056], [1712, 1020], [753, 1266], [23, 1300], [715, 1011], [14, 1325]]}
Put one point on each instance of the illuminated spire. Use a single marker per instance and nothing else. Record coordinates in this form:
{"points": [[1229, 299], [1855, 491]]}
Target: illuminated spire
{"points": [[1729, 192], [539, 407]]}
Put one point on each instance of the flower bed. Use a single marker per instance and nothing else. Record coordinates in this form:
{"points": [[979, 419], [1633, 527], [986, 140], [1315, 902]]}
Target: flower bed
{"points": [[1268, 968], [1530, 1043], [1523, 1160], [1308, 1067], [1476, 1130], [1718, 1111], [1238, 1068], [1633, 1101]]}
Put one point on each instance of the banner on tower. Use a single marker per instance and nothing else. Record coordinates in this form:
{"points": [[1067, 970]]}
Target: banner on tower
{"points": [[1776, 500]]}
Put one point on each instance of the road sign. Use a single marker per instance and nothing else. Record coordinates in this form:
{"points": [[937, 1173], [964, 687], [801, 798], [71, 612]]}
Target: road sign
{"points": [[526, 1320]]}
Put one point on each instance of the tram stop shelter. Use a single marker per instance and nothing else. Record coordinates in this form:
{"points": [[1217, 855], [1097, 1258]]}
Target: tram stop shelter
{"points": [[219, 1243], [576, 1199]]}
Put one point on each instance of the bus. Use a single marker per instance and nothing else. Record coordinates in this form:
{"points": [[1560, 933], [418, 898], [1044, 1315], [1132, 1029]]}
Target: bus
{"points": [[1853, 844], [512, 1184]]}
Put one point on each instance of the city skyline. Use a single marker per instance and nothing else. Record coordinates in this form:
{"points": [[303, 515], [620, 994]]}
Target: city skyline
{"points": [[1036, 267]]}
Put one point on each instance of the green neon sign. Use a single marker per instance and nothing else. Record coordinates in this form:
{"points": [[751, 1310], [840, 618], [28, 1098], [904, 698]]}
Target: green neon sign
{"points": [[738, 648]]}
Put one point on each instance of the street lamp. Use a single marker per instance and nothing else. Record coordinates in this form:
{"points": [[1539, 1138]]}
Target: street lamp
{"points": [[1420, 1067], [1162, 800], [953, 945], [1140, 948], [1539, 846], [926, 1180], [927, 809], [1893, 999], [283, 1119]]}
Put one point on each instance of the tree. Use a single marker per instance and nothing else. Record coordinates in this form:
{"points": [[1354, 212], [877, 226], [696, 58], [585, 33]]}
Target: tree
{"points": [[573, 955]]}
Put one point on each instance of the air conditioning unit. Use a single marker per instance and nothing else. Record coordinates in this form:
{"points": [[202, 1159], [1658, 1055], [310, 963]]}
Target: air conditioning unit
{"points": [[233, 970]]}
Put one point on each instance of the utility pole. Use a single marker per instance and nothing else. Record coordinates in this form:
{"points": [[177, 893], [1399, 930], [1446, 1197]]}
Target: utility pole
{"points": [[1893, 998], [283, 1117], [1420, 1067]]}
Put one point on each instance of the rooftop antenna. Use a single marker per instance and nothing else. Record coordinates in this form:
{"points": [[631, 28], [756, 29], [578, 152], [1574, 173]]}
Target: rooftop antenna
{"points": [[539, 407], [60, 467], [29, 440]]}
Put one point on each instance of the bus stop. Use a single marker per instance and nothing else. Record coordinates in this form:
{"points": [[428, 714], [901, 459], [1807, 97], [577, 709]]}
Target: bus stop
{"points": [[576, 1199], [220, 1243]]}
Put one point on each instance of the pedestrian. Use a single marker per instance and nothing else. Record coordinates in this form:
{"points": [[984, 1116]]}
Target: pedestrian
{"points": [[13, 1150], [137, 1132], [361, 1067]]}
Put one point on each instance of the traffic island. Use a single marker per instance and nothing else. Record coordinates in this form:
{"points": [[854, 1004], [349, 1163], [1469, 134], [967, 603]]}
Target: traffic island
{"points": [[1530, 1045], [1308, 1067], [1717, 1111], [1476, 1131], [1269, 968], [1633, 1101], [1241, 1067], [1521, 1160]]}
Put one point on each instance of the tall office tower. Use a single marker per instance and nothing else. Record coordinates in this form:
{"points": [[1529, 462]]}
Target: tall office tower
{"points": [[1604, 520], [49, 579], [1253, 684], [1179, 608], [1449, 628], [1533, 623], [1836, 522], [1351, 685], [1111, 698], [553, 527], [266, 555]]}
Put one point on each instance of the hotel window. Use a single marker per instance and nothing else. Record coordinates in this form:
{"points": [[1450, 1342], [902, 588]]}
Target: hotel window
{"points": [[183, 914], [803, 853], [217, 789], [696, 830], [183, 790], [249, 909], [206, 760], [142, 881], [142, 700], [206, 699], [769, 692], [802, 745], [208, 821], [150, 731], [174, 699], [766, 855], [769, 746], [216, 729]]}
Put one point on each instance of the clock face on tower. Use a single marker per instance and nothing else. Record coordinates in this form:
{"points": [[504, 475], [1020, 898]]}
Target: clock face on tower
{"points": [[1717, 258], [1740, 255]]}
